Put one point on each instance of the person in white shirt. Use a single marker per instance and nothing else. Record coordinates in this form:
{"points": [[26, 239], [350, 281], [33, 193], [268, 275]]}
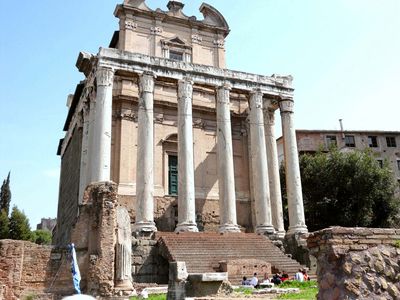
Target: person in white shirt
{"points": [[299, 276], [254, 280]]}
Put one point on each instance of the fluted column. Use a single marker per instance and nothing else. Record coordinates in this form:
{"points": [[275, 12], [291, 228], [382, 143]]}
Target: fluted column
{"points": [[145, 156], [259, 165], [186, 194], [226, 175], [101, 146], [273, 173], [293, 181]]}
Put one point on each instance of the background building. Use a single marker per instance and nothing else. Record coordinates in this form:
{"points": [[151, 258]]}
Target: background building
{"points": [[385, 145]]}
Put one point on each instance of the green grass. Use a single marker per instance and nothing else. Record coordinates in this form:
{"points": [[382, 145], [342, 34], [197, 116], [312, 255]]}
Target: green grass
{"points": [[397, 244], [243, 290], [152, 297], [308, 290]]}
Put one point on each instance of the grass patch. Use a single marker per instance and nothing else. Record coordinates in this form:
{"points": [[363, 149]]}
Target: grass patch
{"points": [[243, 290], [308, 290], [397, 244], [152, 297]]}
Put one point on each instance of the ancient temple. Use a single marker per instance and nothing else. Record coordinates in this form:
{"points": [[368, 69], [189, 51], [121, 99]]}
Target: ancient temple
{"points": [[189, 143]]}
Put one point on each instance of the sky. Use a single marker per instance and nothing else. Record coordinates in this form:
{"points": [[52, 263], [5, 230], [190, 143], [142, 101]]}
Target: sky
{"points": [[344, 56]]}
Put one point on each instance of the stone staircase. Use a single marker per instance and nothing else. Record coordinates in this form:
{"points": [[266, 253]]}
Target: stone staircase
{"points": [[202, 252]]}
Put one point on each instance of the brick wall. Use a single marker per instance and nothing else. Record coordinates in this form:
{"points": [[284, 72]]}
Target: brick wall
{"points": [[357, 263], [30, 269], [69, 190]]}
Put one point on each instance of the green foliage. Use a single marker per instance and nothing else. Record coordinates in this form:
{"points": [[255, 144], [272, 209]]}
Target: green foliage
{"points": [[397, 244], [41, 237], [5, 195], [298, 284], [19, 225], [30, 297], [152, 297], [346, 189], [4, 225], [308, 290], [244, 290]]}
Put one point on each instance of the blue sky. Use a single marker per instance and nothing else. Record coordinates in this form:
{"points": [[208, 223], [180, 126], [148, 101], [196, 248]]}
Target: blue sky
{"points": [[344, 56]]}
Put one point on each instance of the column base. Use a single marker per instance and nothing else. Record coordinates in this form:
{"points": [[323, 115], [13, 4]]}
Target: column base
{"points": [[280, 234], [229, 228], [297, 229], [187, 227], [144, 227], [124, 285], [265, 229]]}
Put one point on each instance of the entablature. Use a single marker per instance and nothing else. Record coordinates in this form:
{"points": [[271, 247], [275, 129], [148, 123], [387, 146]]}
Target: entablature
{"points": [[275, 86]]}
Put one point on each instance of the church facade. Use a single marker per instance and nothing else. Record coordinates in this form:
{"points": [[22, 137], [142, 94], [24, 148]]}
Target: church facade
{"points": [[189, 143]]}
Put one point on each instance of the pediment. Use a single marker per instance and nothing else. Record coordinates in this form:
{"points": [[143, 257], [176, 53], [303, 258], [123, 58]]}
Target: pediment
{"points": [[213, 17], [175, 41], [137, 4]]}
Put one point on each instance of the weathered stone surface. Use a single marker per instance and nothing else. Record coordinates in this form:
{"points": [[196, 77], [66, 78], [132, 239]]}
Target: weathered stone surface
{"points": [[363, 270]]}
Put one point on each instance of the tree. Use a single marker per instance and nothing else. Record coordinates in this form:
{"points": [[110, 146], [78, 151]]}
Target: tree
{"points": [[4, 225], [347, 189], [5, 195], [19, 225], [41, 237]]}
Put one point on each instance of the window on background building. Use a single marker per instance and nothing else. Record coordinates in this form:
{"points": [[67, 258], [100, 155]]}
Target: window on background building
{"points": [[380, 162], [172, 175], [391, 141], [398, 165], [373, 141], [350, 141], [331, 140]]}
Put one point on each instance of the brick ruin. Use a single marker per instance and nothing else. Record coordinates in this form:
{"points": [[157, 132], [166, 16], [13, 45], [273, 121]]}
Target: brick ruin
{"points": [[357, 263]]}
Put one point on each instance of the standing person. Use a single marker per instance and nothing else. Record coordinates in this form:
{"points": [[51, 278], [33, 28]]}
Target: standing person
{"points": [[254, 280], [299, 276]]}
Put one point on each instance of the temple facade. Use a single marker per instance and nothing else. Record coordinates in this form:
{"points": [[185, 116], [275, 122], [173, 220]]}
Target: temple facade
{"points": [[189, 143]]}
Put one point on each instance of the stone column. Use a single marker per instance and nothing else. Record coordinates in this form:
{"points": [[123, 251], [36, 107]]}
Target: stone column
{"points": [[273, 172], [226, 175], [145, 157], [186, 194], [259, 165], [123, 250], [293, 182], [101, 150]]}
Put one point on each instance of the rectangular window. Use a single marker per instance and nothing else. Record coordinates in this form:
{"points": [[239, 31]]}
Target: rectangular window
{"points": [[398, 165], [373, 141], [172, 175], [331, 140], [350, 141], [176, 55], [380, 162], [391, 141]]}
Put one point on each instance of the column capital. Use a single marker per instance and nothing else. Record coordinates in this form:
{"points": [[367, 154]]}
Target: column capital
{"points": [[225, 86], [269, 116], [256, 92], [185, 88], [104, 76], [146, 82], [286, 106], [223, 93], [256, 99]]}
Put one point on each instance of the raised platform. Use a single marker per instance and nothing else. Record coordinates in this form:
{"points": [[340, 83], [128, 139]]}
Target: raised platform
{"points": [[202, 252]]}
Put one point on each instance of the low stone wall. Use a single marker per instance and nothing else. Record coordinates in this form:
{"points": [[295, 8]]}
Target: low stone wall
{"points": [[239, 268], [357, 263], [30, 269]]}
